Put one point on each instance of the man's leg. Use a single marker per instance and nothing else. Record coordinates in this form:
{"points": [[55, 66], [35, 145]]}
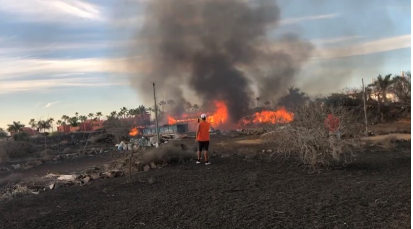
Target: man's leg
{"points": [[206, 153], [198, 161]]}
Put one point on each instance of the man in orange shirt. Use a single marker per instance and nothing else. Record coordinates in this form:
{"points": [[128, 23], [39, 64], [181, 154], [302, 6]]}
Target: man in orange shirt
{"points": [[202, 137]]}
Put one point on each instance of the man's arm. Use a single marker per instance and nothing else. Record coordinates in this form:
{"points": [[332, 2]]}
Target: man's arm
{"points": [[197, 132]]}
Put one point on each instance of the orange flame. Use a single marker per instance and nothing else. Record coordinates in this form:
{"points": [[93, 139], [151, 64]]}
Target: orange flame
{"points": [[134, 132], [171, 121], [278, 116], [220, 116]]}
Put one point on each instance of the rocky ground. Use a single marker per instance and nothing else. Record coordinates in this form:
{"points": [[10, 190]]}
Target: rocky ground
{"points": [[236, 191]]}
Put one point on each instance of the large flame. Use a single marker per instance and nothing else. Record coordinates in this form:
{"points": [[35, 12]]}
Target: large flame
{"points": [[220, 116], [217, 118], [274, 117]]}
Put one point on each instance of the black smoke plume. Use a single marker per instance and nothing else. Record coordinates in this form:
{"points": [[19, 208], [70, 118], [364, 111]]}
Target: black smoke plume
{"points": [[219, 49]]}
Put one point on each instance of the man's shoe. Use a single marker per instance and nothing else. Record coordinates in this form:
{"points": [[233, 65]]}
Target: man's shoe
{"points": [[198, 161], [207, 163]]}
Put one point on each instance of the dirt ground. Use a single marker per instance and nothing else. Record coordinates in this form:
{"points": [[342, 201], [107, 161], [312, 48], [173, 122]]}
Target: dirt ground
{"points": [[233, 192], [63, 167], [401, 126]]}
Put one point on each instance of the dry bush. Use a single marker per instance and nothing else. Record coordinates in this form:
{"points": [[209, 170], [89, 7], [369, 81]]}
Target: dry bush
{"points": [[48, 154], [166, 153], [308, 137], [68, 151], [18, 149], [3, 155], [119, 133]]}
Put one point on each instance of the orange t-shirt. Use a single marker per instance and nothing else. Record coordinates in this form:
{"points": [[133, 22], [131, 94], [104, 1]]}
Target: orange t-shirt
{"points": [[203, 134]]}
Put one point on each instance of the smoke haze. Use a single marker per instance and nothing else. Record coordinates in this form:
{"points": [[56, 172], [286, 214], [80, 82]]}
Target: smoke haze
{"points": [[219, 49]]}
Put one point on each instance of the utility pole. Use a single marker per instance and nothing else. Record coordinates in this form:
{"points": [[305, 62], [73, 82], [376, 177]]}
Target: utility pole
{"points": [[156, 115], [364, 103]]}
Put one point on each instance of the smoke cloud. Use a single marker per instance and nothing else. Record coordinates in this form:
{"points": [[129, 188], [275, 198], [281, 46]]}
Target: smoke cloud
{"points": [[219, 49]]}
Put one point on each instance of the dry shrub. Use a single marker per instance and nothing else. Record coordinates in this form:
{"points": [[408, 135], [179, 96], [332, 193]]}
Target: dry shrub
{"points": [[18, 149], [119, 133], [388, 143], [308, 137], [3, 155], [68, 151], [169, 153], [48, 154]]}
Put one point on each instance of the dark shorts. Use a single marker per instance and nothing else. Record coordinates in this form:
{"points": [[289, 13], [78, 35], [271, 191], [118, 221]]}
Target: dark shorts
{"points": [[203, 145]]}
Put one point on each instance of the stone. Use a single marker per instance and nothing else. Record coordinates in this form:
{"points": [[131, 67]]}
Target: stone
{"points": [[117, 173], [146, 168], [67, 177], [95, 176], [270, 151], [52, 186], [86, 180], [17, 166], [153, 165], [263, 151], [108, 174]]}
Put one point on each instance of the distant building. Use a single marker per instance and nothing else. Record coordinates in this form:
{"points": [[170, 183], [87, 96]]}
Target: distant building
{"points": [[90, 125], [30, 131]]}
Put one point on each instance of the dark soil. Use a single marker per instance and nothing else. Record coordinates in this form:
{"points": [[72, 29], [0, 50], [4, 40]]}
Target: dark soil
{"points": [[233, 192], [66, 166]]}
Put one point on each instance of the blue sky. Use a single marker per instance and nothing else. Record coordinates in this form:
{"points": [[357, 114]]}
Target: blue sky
{"points": [[65, 56]]}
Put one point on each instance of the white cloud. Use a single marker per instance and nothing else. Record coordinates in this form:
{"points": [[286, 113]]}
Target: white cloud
{"points": [[51, 104], [51, 10], [370, 47], [10, 48], [307, 18], [38, 85], [11, 68], [335, 40]]}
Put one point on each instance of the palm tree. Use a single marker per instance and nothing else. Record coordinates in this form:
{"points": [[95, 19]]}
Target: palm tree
{"points": [[50, 121], [195, 107], [15, 127], [90, 115], [162, 104], [113, 114], [123, 112], [381, 85], [73, 121], [142, 111], [83, 118], [65, 118], [3, 133], [98, 114], [59, 122], [131, 113], [401, 87], [187, 106], [33, 124], [44, 124]]}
